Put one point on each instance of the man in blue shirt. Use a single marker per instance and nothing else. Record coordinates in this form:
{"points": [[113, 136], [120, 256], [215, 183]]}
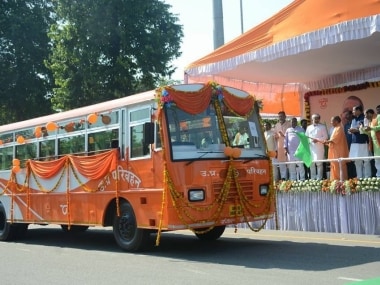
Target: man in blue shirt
{"points": [[359, 144]]}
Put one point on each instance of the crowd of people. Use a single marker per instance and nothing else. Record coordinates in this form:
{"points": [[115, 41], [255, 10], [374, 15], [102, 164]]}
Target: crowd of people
{"points": [[354, 134]]}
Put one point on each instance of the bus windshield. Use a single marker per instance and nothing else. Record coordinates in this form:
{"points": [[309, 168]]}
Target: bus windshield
{"points": [[201, 136]]}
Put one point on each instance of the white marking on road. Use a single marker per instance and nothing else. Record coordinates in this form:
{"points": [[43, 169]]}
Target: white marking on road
{"points": [[349, 279]]}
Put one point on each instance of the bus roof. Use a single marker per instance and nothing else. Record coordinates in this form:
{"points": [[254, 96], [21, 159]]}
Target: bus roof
{"points": [[109, 105], [82, 111]]}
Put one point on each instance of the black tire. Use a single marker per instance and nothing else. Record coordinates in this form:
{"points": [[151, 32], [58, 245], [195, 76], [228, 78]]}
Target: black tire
{"points": [[7, 231], [127, 235], [74, 228], [212, 234]]}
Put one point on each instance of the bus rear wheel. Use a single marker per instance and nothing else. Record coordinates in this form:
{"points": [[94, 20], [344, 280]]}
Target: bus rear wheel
{"points": [[10, 231], [212, 234], [127, 235]]}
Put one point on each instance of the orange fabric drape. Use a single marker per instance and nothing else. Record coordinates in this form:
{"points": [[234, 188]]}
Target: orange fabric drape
{"points": [[197, 101], [46, 169], [95, 166], [241, 106], [92, 167], [191, 102]]}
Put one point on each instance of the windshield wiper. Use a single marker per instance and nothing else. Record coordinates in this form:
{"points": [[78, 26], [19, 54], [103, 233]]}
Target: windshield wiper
{"points": [[203, 154], [257, 155]]}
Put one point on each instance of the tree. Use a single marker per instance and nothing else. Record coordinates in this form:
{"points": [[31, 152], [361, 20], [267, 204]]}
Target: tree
{"points": [[25, 81], [106, 49]]}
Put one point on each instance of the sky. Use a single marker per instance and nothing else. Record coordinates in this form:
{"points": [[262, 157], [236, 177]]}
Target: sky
{"points": [[196, 17]]}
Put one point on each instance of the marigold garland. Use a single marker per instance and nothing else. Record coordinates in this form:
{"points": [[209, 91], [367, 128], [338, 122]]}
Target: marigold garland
{"points": [[164, 191], [54, 188], [347, 187], [68, 194], [181, 205], [221, 125]]}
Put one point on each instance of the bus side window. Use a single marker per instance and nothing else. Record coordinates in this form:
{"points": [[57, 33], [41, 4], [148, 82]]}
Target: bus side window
{"points": [[25, 152], [115, 144], [137, 146], [103, 140], [47, 150], [6, 158], [71, 145]]}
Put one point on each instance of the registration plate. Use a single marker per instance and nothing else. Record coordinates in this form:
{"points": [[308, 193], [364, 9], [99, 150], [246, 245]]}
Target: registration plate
{"points": [[236, 211]]}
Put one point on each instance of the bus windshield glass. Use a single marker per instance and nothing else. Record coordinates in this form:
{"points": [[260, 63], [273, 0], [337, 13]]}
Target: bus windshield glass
{"points": [[205, 135]]}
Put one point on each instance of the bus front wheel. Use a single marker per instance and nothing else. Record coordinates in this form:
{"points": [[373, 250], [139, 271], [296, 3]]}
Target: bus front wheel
{"points": [[212, 234], [127, 235]]}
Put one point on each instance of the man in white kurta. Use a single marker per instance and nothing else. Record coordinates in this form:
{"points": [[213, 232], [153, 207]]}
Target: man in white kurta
{"points": [[280, 129], [317, 134], [291, 143], [271, 145]]}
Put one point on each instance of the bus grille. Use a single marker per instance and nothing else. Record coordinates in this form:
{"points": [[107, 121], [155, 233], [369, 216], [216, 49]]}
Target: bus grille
{"points": [[246, 187]]}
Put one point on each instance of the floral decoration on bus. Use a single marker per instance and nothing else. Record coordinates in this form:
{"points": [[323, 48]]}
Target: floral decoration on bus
{"points": [[165, 98], [217, 90]]}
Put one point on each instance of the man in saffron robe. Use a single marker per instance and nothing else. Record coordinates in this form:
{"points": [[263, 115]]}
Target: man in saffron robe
{"points": [[338, 148]]}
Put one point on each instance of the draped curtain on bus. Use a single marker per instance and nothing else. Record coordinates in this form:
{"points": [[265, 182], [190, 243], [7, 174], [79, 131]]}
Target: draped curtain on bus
{"points": [[93, 166]]}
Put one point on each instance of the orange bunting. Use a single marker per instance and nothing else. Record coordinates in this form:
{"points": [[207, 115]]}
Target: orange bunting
{"points": [[20, 139], [106, 119], [16, 162], [70, 127], [1, 142], [51, 126], [92, 118], [236, 152], [16, 168], [228, 151]]}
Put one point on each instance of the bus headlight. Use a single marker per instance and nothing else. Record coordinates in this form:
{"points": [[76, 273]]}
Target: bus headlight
{"points": [[264, 189], [196, 195]]}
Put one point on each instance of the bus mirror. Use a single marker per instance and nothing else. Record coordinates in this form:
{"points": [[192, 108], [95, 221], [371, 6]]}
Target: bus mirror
{"points": [[148, 133]]}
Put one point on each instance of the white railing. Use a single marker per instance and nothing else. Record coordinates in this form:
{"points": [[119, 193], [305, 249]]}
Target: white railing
{"points": [[325, 212], [339, 160], [320, 211]]}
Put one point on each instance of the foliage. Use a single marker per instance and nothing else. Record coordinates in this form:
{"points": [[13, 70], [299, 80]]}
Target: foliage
{"points": [[106, 49], [25, 81]]}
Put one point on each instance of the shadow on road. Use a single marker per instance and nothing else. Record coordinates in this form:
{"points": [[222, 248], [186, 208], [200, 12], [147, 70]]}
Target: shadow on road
{"points": [[229, 250]]}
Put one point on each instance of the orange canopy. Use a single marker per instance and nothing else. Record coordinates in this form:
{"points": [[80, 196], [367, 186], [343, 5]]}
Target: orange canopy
{"points": [[311, 43]]}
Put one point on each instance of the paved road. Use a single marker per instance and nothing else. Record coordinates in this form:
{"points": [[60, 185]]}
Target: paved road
{"points": [[50, 256]]}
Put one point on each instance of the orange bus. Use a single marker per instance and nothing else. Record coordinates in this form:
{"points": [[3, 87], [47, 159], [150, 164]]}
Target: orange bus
{"points": [[163, 160]]}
